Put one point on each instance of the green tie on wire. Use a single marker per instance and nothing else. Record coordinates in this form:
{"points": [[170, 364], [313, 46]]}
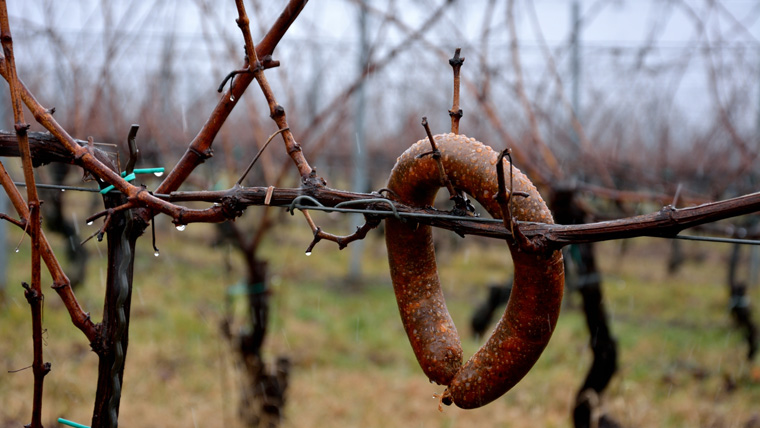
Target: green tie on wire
{"points": [[71, 424], [130, 177]]}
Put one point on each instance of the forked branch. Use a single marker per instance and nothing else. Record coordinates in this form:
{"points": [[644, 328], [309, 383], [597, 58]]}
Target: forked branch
{"points": [[342, 241], [276, 111], [200, 148]]}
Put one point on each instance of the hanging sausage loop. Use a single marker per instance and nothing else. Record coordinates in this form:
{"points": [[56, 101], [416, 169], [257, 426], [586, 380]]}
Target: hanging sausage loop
{"points": [[529, 319]]}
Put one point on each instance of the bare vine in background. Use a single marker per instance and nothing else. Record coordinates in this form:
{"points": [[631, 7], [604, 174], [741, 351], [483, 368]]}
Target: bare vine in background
{"points": [[548, 157]]}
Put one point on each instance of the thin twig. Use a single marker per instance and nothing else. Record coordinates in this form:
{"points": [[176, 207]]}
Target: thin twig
{"points": [[456, 112], [261, 150], [276, 111], [538, 175], [21, 369], [230, 76], [460, 200], [108, 213], [436, 155], [342, 241], [20, 224], [199, 148], [153, 236]]}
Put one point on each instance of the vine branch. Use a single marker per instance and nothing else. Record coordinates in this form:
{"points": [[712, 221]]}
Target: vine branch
{"points": [[667, 222], [61, 283], [32, 293], [200, 147], [276, 111]]}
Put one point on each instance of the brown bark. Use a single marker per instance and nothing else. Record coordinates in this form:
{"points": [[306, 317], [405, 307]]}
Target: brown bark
{"points": [[114, 330]]}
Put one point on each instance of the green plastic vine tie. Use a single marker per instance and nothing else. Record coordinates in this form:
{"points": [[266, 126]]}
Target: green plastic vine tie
{"points": [[71, 424]]}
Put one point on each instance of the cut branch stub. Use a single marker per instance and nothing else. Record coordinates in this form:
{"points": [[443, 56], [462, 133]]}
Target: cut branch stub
{"points": [[456, 112]]}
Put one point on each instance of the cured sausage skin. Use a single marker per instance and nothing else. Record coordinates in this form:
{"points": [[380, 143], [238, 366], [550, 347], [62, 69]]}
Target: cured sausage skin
{"points": [[531, 314]]}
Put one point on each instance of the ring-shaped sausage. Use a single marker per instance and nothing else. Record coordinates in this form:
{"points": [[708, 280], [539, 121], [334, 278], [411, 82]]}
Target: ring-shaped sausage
{"points": [[531, 314]]}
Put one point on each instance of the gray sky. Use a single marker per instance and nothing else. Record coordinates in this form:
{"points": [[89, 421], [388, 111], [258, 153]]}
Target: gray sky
{"points": [[613, 39]]}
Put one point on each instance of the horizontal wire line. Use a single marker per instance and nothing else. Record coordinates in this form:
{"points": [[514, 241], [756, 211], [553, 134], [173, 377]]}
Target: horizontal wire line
{"points": [[717, 239], [494, 220], [59, 187], [389, 213], [385, 213]]}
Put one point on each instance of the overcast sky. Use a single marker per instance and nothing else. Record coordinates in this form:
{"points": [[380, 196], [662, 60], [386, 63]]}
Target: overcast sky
{"points": [[613, 37], [620, 21]]}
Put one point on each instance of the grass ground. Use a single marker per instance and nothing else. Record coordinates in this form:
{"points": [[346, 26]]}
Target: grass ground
{"points": [[681, 363]]}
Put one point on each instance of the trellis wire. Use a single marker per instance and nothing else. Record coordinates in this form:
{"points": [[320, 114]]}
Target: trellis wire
{"points": [[493, 220], [398, 214]]}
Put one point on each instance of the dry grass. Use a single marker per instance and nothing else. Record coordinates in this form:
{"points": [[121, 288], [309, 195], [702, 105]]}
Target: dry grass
{"points": [[681, 362]]}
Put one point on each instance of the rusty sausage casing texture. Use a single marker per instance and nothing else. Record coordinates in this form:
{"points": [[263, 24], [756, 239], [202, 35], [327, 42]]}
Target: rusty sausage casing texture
{"points": [[531, 314]]}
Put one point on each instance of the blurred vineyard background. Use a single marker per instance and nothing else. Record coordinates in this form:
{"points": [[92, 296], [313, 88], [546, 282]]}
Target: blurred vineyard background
{"points": [[647, 97]]}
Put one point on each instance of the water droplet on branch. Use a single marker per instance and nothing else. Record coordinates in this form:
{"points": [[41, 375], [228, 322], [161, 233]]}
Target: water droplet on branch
{"points": [[181, 227], [232, 98], [89, 223], [308, 253], [156, 253]]}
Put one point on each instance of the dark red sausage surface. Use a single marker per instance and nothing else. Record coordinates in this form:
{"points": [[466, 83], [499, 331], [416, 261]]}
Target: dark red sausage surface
{"points": [[531, 314]]}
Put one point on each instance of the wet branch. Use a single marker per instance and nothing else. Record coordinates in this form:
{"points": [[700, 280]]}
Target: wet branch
{"points": [[44, 148], [276, 111], [233, 202], [86, 157], [200, 148], [32, 293], [436, 155], [342, 241], [667, 222]]}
